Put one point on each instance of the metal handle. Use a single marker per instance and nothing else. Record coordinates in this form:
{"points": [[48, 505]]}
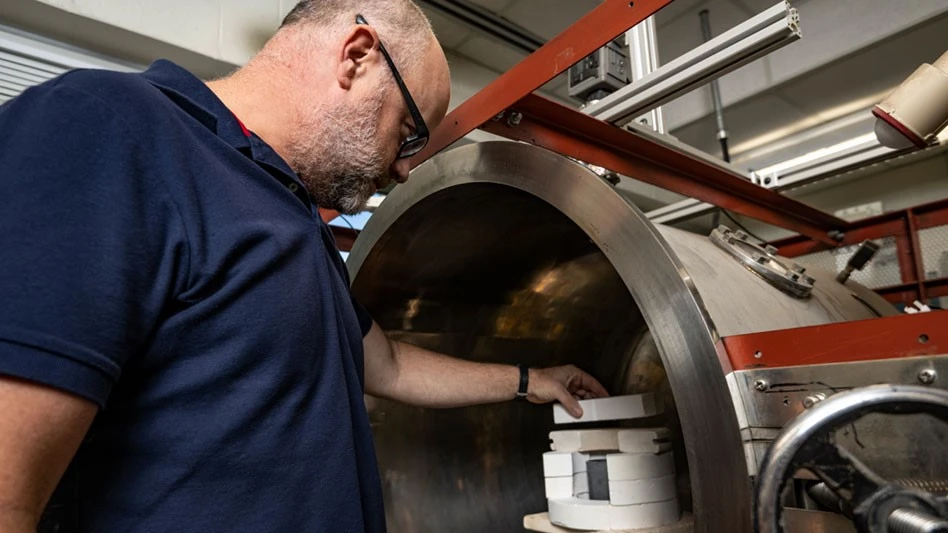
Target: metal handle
{"points": [[781, 460]]}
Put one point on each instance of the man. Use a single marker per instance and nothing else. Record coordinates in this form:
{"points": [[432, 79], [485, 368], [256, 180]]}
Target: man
{"points": [[175, 323]]}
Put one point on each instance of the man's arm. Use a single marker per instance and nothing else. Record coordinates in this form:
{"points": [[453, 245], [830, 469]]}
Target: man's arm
{"points": [[420, 377], [40, 430]]}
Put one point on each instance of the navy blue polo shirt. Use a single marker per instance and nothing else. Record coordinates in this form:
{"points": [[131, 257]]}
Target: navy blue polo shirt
{"points": [[163, 262]]}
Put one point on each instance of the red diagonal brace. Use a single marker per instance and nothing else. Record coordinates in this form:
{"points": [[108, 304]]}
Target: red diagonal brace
{"points": [[590, 33], [569, 132]]}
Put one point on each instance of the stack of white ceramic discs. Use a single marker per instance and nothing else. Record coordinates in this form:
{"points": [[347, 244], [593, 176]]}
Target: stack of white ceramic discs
{"points": [[639, 470]]}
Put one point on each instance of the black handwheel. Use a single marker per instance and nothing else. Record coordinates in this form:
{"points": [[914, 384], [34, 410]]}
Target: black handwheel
{"points": [[808, 442]]}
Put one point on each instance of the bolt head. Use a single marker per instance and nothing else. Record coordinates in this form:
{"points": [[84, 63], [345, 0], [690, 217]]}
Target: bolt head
{"points": [[772, 250], [761, 385], [927, 376], [813, 399], [514, 119]]}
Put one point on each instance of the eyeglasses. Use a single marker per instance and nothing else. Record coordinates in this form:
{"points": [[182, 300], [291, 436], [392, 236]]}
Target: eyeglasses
{"points": [[417, 140]]}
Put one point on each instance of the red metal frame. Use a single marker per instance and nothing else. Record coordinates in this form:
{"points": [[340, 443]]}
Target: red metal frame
{"points": [[571, 132], [904, 226], [844, 342]]}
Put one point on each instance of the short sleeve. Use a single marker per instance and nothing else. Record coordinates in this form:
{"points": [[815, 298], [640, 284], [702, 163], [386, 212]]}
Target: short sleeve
{"points": [[365, 319], [91, 244]]}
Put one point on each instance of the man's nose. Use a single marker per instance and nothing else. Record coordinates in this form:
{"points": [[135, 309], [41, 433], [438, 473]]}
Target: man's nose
{"points": [[400, 170]]}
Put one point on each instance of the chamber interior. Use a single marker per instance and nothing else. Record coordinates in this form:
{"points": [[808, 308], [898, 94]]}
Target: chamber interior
{"points": [[491, 273]]}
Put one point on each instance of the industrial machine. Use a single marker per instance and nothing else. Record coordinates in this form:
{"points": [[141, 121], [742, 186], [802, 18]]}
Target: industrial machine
{"points": [[506, 252], [795, 399]]}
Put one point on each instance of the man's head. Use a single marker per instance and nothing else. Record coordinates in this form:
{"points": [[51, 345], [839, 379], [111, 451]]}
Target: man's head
{"points": [[350, 116]]}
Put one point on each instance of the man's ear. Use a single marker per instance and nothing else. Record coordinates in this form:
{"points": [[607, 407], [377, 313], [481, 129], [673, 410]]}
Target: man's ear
{"points": [[357, 50]]}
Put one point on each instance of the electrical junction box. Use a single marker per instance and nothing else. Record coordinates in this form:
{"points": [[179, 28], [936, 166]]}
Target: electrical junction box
{"points": [[604, 71]]}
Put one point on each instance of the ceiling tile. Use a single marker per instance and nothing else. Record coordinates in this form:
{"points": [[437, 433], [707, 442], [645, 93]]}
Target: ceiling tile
{"points": [[679, 8], [450, 33], [547, 18], [490, 53], [681, 34], [743, 121]]}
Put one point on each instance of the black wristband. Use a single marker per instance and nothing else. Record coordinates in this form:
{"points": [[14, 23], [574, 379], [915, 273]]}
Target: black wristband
{"points": [[524, 382]]}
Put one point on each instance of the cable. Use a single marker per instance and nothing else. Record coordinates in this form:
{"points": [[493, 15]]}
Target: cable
{"points": [[741, 226], [346, 220]]}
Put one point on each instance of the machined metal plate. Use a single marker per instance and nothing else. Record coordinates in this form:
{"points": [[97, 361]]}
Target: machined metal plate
{"points": [[780, 272], [767, 399], [771, 397]]}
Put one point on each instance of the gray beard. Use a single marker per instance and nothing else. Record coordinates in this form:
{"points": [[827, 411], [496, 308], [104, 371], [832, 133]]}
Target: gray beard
{"points": [[340, 169]]}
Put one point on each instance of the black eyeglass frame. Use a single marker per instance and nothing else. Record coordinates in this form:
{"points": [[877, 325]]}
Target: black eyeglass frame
{"points": [[417, 141]]}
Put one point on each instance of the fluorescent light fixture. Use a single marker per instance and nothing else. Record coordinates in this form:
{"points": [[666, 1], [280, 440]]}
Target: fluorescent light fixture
{"points": [[816, 155], [793, 172]]}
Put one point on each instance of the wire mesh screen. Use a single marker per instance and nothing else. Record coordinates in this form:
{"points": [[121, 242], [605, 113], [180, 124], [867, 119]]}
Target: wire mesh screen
{"points": [[882, 271], [934, 245]]}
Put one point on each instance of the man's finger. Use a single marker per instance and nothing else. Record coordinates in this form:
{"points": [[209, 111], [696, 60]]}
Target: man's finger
{"points": [[592, 384], [569, 403]]}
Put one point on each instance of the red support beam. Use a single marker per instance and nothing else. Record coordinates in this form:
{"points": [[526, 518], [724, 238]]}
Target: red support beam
{"points": [[566, 131], [345, 237], [905, 250], [904, 227], [931, 215], [878, 227], [907, 293], [918, 269], [863, 340], [590, 33]]}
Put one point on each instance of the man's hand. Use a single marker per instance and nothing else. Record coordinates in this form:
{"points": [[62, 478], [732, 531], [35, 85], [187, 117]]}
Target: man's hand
{"points": [[564, 384]]}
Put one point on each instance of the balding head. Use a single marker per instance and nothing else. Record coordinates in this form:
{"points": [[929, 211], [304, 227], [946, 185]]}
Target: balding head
{"points": [[403, 25], [324, 97]]}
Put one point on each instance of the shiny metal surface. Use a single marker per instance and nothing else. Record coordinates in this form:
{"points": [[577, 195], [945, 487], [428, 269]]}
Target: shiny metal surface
{"points": [[783, 274], [839, 410], [900, 448], [789, 387], [506, 252]]}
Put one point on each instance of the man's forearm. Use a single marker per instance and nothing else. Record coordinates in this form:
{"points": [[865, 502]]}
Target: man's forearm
{"points": [[16, 520], [416, 376], [428, 379]]}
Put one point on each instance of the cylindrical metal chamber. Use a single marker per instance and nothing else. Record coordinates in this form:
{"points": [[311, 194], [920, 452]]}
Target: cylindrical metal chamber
{"points": [[505, 252]]}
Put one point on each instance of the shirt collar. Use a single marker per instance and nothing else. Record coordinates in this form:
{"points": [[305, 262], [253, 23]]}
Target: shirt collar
{"points": [[198, 100]]}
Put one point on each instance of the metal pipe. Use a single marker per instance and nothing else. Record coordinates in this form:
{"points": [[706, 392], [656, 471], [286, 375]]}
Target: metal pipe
{"points": [[768, 31]]}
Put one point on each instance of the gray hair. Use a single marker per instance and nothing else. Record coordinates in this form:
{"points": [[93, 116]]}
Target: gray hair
{"points": [[402, 26]]}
